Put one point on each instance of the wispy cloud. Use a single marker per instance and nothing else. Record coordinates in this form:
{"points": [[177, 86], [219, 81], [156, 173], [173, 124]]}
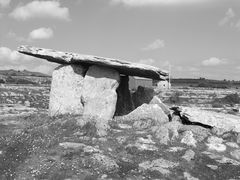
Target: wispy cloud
{"points": [[213, 61], [41, 9], [229, 15], [157, 44], [7, 56], [41, 33], [139, 3], [4, 3]]}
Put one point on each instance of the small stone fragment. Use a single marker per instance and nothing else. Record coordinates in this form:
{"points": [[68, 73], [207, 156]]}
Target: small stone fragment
{"points": [[162, 134], [213, 167], [236, 154], [189, 155], [232, 144], [161, 165], [189, 176], [104, 163], [188, 139]]}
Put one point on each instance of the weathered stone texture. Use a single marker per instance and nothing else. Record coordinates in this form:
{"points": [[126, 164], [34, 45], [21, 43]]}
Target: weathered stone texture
{"points": [[66, 90], [99, 95]]}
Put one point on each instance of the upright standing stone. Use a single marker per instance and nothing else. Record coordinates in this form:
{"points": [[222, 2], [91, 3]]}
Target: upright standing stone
{"points": [[99, 95], [124, 98], [66, 90]]}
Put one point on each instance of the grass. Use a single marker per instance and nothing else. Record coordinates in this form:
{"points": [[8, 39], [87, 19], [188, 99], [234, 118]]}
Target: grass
{"points": [[41, 136]]}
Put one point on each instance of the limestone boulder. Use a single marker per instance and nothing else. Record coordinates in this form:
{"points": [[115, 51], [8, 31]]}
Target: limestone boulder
{"points": [[99, 95], [165, 108], [152, 114], [225, 122], [66, 90]]}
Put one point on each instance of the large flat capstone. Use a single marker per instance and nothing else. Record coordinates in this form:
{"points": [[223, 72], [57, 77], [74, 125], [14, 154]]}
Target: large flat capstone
{"points": [[123, 67]]}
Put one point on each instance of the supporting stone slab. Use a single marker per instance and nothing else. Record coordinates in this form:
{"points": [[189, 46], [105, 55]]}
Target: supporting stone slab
{"points": [[99, 95], [66, 90]]}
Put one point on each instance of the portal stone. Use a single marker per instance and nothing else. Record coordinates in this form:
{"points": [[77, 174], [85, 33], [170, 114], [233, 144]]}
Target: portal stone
{"points": [[66, 90]]}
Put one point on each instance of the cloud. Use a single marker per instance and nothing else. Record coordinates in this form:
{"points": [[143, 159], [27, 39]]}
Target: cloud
{"points": [[139, 3], [10, 59], [4, 3], [238, 67], [41, 9], [41, 33], [157, 44], [230, 14], [213, 61]]}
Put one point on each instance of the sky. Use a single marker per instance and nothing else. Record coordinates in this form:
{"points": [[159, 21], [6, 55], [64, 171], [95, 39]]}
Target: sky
{"points": [[195, 38]]}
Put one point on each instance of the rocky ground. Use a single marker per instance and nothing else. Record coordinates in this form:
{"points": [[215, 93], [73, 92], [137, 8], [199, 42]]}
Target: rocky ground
{"points": [[35, 146]]}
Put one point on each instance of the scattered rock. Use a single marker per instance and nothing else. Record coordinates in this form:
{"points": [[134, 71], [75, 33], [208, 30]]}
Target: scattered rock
{"points": [[27, 103], [215, 140], [175, 149], [217, 147], [232, 144], [143, 124], [104, 163], [162, 134], [238, 138], [188, 139], [200, 133], [151, 113], [189, 155], [213, 167], [124, 126], [66, 90], [121, 139], [78, 146], [156, 100], [221, 120], [71, 145], [236, 154], [221, 159], [215, 144], [161, 165], [143, 144], [189, 176]]}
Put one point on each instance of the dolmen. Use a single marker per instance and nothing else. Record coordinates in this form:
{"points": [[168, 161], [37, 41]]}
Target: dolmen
{"points": [[91, 86]]}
